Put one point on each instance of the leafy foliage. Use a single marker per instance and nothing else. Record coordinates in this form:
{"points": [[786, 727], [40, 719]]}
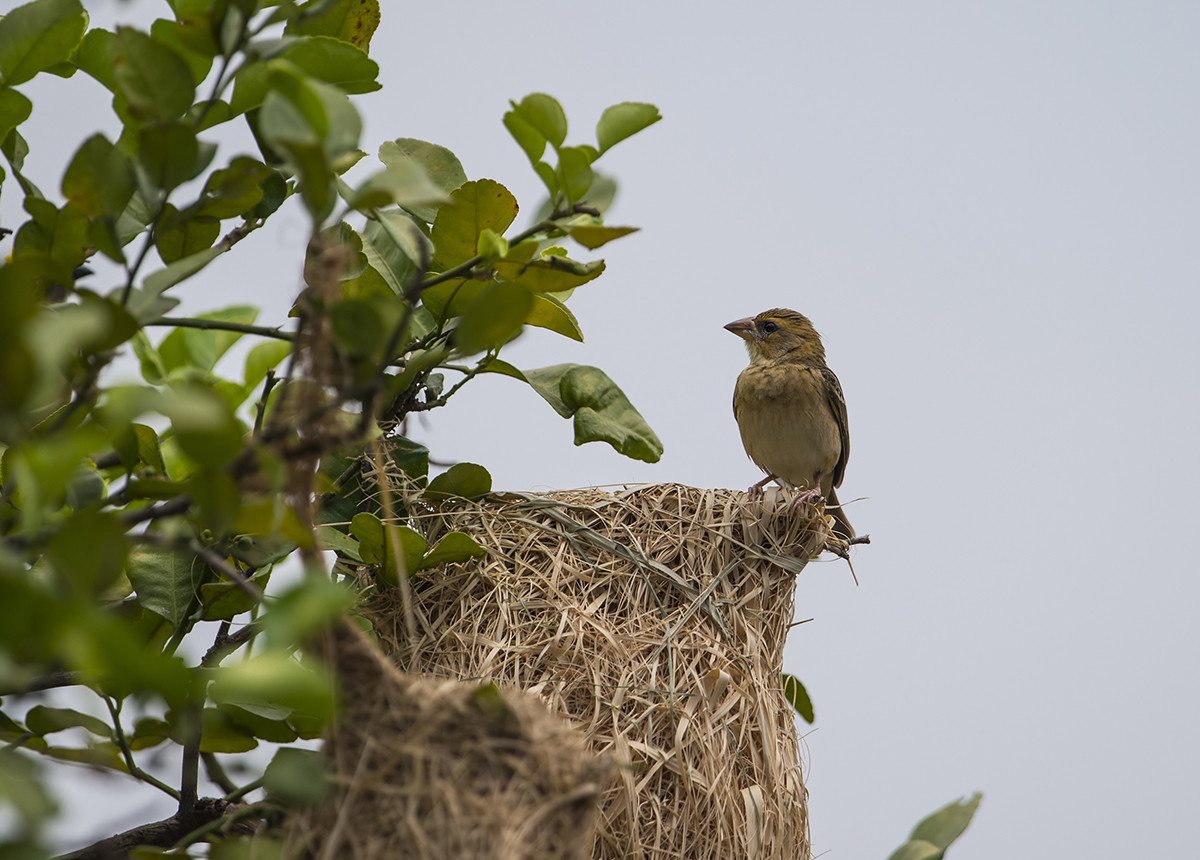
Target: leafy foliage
{"points": [[137, 518]]}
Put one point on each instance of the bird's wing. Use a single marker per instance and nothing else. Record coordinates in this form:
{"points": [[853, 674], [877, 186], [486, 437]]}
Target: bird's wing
{"points": [[837, 405]]}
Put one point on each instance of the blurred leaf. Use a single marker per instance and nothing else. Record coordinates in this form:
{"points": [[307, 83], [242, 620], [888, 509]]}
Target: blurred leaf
{"points": [[273, 679], [402, 182], [320, 58], [440, 166], [43, 720], [493, 319], [454, 547], [593, 236], [89, 551], [948, 823], [797, 697], [155, 82], [352, 21], [298, 777], [105, 755], [463, 480], [166, 580], [22, 790], [624, 120], [475, 206], [601, 411], [38, 35], [306, 609], [169, 153]]}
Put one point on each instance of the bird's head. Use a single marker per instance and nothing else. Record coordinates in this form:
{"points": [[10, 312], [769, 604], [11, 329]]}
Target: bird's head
{"points": [[779, 332]]}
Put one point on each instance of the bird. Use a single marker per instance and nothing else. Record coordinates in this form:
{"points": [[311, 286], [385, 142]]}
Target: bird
{"points": [[790, 410]]}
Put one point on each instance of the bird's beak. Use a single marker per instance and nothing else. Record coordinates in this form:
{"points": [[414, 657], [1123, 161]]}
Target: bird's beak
{"points": [[743, 328]]}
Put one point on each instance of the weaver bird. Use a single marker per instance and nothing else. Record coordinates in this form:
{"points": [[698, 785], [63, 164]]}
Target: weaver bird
{"points": [[790, 410]]}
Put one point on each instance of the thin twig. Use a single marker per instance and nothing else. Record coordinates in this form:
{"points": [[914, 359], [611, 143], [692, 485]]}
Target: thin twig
{"points": [[126, 752], [227, 570], [222, 325]]}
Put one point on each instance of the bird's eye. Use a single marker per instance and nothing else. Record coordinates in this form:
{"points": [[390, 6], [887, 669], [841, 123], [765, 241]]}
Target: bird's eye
{"points": [[769, 327]]}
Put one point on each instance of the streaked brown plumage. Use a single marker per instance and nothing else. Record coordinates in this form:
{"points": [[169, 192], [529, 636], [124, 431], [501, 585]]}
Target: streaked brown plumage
{"points": [[790, 408]]}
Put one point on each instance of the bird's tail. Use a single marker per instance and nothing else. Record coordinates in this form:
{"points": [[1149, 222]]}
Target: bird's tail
{"points": [[841, 525]]}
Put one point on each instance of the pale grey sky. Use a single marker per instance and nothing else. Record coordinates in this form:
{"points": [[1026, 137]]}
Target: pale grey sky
{"points": [[991, 211]]}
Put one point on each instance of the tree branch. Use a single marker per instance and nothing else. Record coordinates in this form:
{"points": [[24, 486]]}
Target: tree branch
{"points": [[223, 325], [159, 834]]}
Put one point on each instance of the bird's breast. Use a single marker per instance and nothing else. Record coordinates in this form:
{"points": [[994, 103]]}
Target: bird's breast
{"points": [[786, 423]]}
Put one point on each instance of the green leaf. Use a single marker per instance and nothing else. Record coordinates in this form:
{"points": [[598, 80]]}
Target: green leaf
{"points": [[42, 720], [948, 823], [166, 580], [545, 115], [462, 480], [220, 734], [181, 235], [395, 248], [549, 273], [549, 313], [158, 282], [38, 35], [319, 59], [493, 319], [99, 179], [297, 777], [60, 234], [203, 348], [624, 120], [797, 697], [331, 538], [917, 850], [475, 206], [14, 110], [154, 80], [234, 190], [575, 172], [224, 600], [601, 411], [352, 21], [368, 530], [149, 732], [593, 236], [95, 56], [260, 359], [454, 547]]}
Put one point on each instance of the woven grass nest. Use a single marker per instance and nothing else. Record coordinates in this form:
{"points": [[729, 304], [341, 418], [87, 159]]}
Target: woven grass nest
{"points": [[651, 618]]}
